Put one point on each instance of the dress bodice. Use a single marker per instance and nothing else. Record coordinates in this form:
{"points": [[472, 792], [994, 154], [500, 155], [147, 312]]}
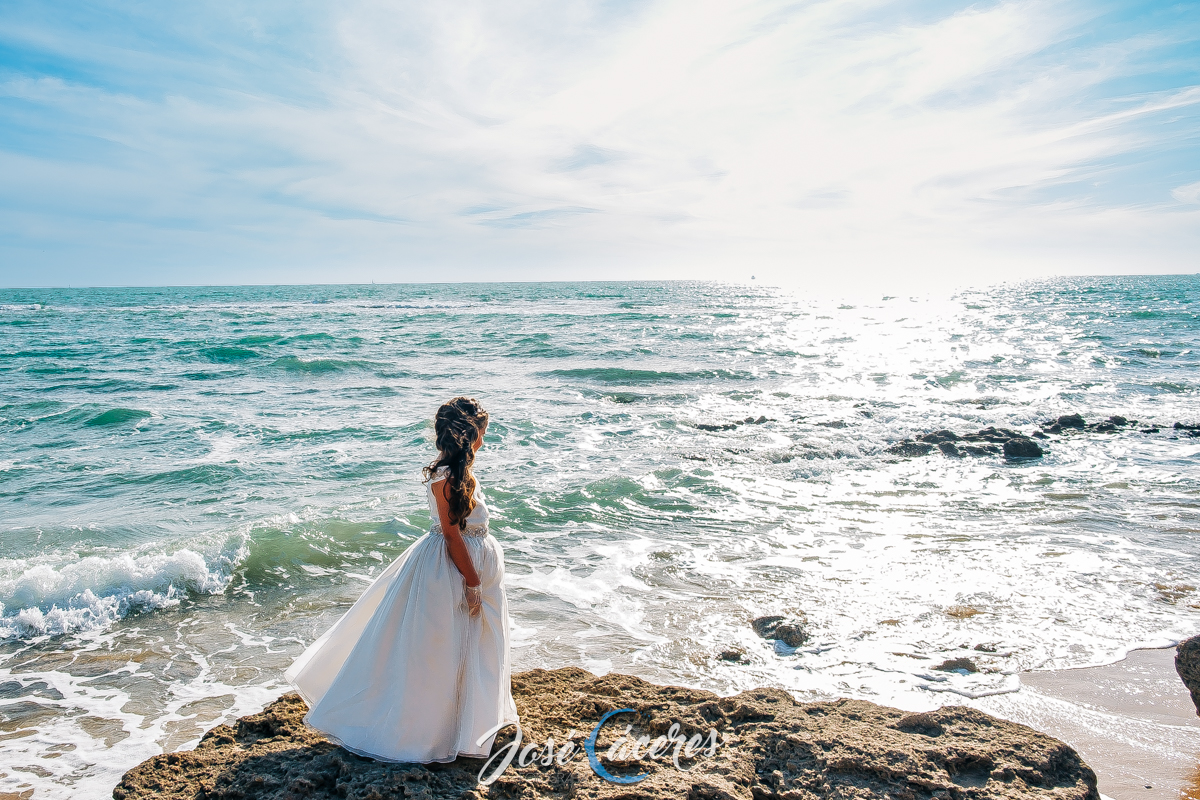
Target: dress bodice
{"points": [[477, 520]]}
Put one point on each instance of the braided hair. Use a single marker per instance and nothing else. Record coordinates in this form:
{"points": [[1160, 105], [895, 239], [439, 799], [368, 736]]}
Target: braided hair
{"points": [[457, 425]]}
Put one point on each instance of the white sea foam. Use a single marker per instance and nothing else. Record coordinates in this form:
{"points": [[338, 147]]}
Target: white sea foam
{"points": [[66, 595]]}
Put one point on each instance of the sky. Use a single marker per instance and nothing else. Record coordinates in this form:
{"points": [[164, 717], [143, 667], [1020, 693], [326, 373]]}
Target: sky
{"points": [[833, 141]]}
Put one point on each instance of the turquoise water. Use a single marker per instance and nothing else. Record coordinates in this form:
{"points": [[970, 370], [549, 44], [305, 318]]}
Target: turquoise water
{"points": [[195, 482]]}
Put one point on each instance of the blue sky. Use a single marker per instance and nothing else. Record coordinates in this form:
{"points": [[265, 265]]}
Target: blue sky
{"points": [[808, 142]]}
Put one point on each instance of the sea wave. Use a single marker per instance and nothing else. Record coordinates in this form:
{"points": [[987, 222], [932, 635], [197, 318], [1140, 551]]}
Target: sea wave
{"points": [[119, 416], [227, 354], [317, 365], [95, 591], [619, 375]]}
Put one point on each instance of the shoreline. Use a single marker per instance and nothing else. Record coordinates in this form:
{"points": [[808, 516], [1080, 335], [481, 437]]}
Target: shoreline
{"points": [[758, 743], [1132, 721]]}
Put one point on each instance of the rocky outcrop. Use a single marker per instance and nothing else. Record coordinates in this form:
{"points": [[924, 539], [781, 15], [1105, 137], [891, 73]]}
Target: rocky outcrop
{"points": [[989, 441], [1069, 424], [1016, 445], [770, 747], [1187, 664]]}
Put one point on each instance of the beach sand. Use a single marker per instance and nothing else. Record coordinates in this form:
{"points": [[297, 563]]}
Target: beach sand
{"points": [[1133, 722]]}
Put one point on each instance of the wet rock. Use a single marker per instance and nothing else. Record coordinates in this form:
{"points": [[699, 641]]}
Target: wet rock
{"points": [[950, 449], [989, 441], [1187, 664], [993, 434], [735, 655], [1189, 430], [765, 626], [792, 632], [837, 423], [1118, 421], [957, 665], [938, 437], [1022, 448], [1071, 421], [771, 747]]}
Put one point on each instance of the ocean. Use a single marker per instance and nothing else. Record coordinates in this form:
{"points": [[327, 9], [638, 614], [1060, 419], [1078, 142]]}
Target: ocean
{"points": [[196, 482]]}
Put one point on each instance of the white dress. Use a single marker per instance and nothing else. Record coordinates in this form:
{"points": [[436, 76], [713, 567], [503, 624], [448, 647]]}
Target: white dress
{"points": [[407, 674]]}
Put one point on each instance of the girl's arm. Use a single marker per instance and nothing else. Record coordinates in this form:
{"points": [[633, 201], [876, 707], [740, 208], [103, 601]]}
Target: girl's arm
{"points": [[455, 545]]}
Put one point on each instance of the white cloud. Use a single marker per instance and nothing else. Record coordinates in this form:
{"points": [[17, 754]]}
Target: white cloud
{"points": [[1189, 193], [686, 139]]}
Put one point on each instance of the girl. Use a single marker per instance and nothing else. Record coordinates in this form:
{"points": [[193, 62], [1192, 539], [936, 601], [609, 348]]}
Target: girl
{"points": [[418, 668]]}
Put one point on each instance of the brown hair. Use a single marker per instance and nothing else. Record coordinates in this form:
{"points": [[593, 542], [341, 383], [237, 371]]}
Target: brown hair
{"points": [[457, 425]]}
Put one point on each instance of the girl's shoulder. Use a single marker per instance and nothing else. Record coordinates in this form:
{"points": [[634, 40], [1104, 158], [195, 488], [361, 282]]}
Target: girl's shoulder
{"points": [[440, 474]]}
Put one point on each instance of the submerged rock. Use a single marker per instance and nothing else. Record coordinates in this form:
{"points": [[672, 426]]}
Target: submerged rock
{"points": [[1187, 664], [729, 426], [771, 747], [957, 665], [910, 449]]}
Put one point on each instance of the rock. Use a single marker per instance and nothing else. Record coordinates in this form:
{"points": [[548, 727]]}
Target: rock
{"points": [[793, 633], [949, 449], [910, 449], [1190, 430], [765, 626], [772, 747], [991, 434], [735, 655], [729, 426], [1187, 664], [937, 437], [1118, 420], [957, 664], [837, 423], [1071, 421], [1022, 448]]}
